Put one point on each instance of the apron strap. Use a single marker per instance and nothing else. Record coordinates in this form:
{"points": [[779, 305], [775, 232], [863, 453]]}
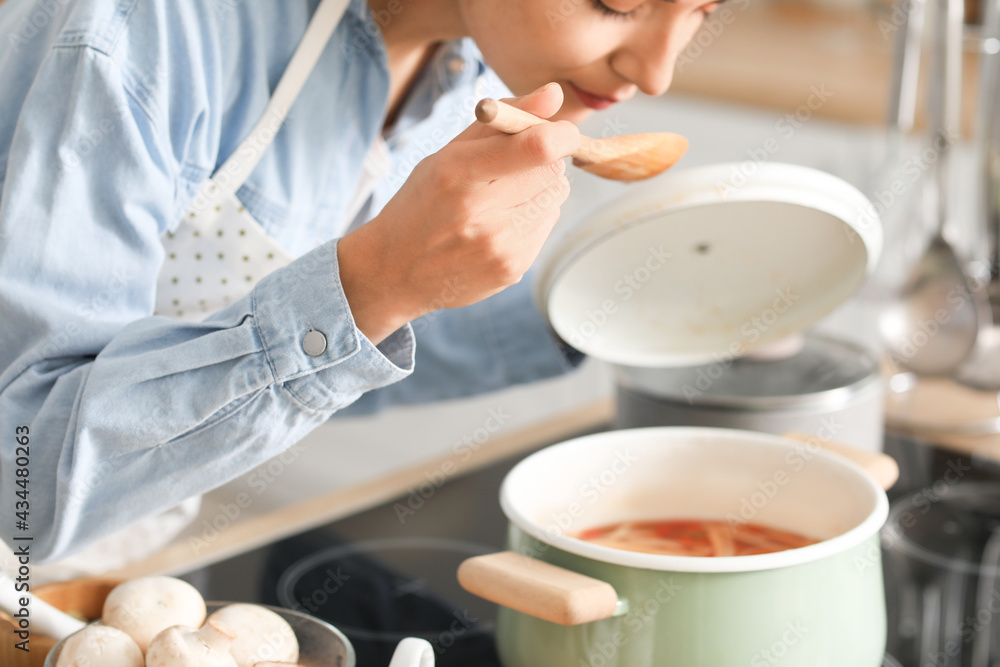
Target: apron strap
{"points": [[235, 171]]}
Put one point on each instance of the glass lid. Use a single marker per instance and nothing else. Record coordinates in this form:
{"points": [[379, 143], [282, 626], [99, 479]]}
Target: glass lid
{"points": [[822, 365]]}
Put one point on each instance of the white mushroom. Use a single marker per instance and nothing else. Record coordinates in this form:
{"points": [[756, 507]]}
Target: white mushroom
{"points": [[99, 646], [277, 664], [261, 635], [181, 646], [146, 606]]}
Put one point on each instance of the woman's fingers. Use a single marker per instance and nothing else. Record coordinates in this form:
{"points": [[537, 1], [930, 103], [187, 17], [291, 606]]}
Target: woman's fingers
{"points": [[501, 155], [543, 102], [490, 154], [476, 212]]}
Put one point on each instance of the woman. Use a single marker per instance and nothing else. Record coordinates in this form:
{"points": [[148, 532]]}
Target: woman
{"points": [[186, 288]]}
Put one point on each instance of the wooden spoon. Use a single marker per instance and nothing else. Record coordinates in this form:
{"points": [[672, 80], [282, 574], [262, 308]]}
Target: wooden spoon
{"points": [[628, 157]]}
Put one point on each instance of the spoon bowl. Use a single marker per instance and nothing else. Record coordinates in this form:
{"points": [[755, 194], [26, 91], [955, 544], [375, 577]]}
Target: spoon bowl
{"points": [[630, 157], [627, 157]]}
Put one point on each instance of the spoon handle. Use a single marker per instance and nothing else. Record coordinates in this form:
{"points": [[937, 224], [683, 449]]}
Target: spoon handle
{"points": [[45, 619], [502, 116]]}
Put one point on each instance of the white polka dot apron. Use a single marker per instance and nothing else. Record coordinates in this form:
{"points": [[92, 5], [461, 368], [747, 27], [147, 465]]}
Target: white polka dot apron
{"points": [[218, 252], [213, 259]]}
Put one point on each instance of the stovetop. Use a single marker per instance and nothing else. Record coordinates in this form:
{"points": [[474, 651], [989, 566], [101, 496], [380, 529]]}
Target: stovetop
{"points": [[389, 572]]}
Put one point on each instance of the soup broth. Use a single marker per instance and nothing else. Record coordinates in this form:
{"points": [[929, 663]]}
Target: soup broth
{"points": [[693, 537]]}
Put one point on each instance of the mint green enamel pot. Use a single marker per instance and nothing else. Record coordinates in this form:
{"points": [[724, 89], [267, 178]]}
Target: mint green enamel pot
{"points": [[818, 606]]}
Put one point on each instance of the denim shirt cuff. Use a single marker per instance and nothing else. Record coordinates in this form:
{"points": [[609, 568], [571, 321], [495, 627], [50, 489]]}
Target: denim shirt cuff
{"points": [[341, 364]]}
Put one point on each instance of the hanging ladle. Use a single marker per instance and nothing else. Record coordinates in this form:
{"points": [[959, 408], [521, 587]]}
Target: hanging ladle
{"points": [[932, 327]]}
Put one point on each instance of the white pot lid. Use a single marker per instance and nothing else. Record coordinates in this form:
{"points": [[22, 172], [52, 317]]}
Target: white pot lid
{"points": [[703, 263]]}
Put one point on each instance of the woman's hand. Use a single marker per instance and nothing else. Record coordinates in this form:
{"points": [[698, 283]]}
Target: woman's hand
{"points": [[468, 222]]}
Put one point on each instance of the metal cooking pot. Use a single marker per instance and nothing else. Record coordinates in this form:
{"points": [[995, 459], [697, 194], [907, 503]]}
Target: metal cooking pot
{"points": [[828, 388]]}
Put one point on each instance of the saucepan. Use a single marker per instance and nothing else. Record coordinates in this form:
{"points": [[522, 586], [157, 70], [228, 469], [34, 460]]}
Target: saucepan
{"points": [[569, 602]]}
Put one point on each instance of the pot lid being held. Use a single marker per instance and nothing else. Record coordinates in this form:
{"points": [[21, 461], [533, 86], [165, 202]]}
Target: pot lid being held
{"points": [[708, 262]]}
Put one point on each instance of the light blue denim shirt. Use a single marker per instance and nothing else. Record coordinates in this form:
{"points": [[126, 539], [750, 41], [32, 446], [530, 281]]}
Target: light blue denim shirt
{"points": [[112, 114]]}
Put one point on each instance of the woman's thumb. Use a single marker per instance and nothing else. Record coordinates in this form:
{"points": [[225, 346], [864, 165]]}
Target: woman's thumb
{"points": [[542, 102]]}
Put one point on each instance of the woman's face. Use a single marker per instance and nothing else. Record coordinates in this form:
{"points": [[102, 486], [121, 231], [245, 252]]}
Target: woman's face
{"points": [[599, 51]]}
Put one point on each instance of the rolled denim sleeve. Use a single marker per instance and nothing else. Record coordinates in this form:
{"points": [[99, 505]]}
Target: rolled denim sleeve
{"points": [[130, 413]]}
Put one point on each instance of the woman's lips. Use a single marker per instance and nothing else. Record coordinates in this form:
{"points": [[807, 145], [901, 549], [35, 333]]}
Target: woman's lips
{"points": [[595, 102]]}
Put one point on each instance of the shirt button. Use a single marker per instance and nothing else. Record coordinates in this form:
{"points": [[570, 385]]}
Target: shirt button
{"points": [[314, 343], [456, 65]]}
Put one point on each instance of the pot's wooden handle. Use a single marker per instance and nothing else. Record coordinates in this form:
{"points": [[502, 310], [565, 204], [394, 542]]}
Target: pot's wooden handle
{"points": [[882, 467], [538, 589]]}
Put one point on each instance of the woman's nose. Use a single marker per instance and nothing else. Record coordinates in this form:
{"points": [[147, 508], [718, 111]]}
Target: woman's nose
{"points": [[648, 61]]}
